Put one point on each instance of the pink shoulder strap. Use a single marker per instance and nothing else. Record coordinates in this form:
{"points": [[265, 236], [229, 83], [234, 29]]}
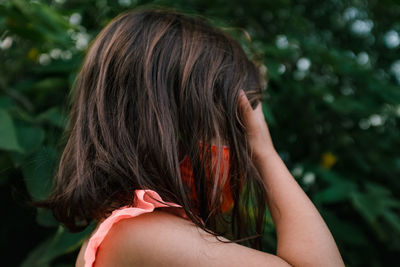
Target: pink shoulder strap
{"points": [[144, 203]]}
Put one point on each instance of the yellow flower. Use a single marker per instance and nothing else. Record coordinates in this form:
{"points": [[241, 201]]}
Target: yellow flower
{"points": [[33, 54], [328, 160]]}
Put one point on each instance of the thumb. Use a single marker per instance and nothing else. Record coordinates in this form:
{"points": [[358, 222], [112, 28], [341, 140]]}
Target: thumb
{"points": [[244, 103], [245, 109]]}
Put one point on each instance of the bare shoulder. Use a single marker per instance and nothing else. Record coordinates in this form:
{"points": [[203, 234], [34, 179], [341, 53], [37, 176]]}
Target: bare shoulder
{"points": [[162, 239]]}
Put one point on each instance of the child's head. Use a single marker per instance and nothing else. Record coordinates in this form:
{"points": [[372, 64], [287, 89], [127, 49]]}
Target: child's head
{"points": [[153, 86]]}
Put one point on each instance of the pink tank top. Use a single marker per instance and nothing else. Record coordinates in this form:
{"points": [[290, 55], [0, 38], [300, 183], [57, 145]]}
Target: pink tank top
{"points": [[143, 203]]}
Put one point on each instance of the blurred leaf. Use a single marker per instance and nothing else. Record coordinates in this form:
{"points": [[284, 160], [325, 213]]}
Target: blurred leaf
{"points": [[46, 85], [38, 172], [61, 243], [393, 219], [339, 188], [54, 116], [29, 137], [5, 103], [335, 193], [45, 21], [60, 66], [377, 202], [273, 70], [45, 218], [8, 136]]}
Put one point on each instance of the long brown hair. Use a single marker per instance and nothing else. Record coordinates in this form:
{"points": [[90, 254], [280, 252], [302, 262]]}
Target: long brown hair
{"points": [[155, 83]]}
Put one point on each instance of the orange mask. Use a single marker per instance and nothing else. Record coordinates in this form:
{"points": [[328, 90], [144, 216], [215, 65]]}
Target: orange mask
{"points": [[188, 177]]}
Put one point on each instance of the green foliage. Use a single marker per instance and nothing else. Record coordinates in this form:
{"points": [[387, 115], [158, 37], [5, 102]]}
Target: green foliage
{"points": [[61, 243], [332, 104], [7, 132]]}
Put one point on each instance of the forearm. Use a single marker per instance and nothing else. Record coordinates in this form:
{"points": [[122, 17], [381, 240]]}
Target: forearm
{"points": [[303, 237]]}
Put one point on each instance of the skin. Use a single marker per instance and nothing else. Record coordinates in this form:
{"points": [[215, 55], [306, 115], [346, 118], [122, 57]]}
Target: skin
{"points": [[160, 238], [303, 237]]}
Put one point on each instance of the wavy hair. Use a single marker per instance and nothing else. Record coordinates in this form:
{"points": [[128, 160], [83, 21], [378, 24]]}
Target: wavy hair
{"points": [[153, 85]]}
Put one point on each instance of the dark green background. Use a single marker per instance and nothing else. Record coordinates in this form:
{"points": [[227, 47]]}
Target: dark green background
{"points": [[333, 108]]}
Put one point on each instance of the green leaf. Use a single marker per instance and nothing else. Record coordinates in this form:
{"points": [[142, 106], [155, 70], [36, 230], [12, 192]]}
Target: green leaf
{"points": [[45, 21], [6, 103], [339, 188], [45, 218], [335, 193], [377, 202], [61, 243], [366, 205], [54, 116], [30, 137], [60, 66], [38, 172], [8, 136], [393, 219]]}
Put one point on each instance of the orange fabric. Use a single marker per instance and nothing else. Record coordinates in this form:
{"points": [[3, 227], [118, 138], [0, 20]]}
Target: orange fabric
{"points": [[188, 177]]}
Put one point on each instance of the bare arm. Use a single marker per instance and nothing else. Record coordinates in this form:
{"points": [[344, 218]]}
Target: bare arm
{"points": [[303, 237]]}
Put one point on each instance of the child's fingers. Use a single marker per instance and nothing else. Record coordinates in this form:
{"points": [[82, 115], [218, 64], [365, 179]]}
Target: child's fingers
{"points": [[256, 126], [244, 104]]}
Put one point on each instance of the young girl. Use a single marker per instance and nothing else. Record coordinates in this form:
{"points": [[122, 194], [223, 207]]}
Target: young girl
{"points": [[169, 152]]}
